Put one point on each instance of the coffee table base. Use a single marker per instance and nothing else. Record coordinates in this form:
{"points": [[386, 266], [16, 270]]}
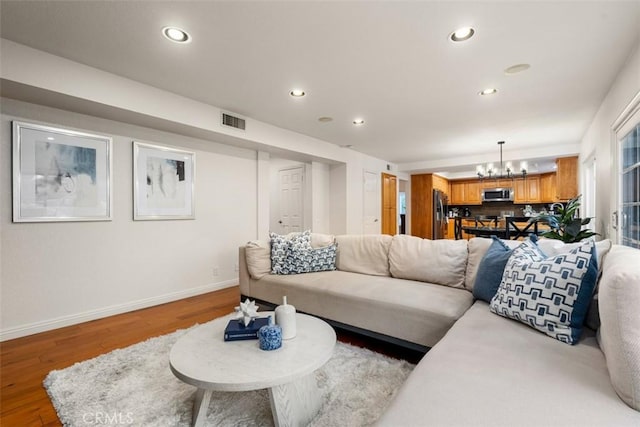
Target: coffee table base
{"points": [[295, 403], [200, 406], [292, 404]]}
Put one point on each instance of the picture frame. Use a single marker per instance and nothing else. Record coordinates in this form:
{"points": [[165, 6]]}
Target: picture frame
{"points": [[163, 182], [60, 174]]}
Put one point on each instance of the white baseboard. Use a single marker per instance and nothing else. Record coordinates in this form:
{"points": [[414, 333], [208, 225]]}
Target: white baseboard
{"points": [[60, 322]]}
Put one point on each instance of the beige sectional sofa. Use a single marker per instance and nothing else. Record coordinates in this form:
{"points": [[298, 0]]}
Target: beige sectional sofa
{"points": [[482, 369]]}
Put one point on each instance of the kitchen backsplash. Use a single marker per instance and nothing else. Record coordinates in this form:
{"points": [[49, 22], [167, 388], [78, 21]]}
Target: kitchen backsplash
{"points": [[498, 208]]}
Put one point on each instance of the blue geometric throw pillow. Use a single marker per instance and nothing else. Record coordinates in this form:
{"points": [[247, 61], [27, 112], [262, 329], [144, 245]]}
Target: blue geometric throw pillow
{"points": [[280, 247], [491, 269], [551, 295], [303, 260]]}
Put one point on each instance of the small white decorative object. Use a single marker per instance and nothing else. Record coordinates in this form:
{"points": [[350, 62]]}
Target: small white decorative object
{"points": [[247, 311], [286, 319]]}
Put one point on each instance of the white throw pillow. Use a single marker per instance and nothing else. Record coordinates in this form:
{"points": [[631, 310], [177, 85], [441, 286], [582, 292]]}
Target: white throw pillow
{"points": [[319, 240], [258, 257]]}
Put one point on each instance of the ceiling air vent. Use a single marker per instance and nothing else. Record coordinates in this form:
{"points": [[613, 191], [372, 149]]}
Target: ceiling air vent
{"points": [[232, 121]]}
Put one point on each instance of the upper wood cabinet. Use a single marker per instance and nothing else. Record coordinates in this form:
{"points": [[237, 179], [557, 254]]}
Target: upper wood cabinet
{"points": [[456, 193], [566, 178], [527, 190], [473, 192], [440, 183], [548, 188], [465, 192]]}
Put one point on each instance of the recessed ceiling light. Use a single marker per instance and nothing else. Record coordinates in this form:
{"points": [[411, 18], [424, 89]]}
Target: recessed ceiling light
{"points": [[325, 119], [462, 34], [176, 35], [489, 91], [358, 122], [50, 138], [518, 68], [297, 93]]}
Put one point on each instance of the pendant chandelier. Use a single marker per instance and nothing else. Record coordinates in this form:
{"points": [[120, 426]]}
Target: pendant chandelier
{"points": [[505, 171]]}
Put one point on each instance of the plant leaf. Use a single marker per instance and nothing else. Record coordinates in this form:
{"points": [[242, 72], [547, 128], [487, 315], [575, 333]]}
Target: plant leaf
{"points": [[573, 227], [551, 235]]}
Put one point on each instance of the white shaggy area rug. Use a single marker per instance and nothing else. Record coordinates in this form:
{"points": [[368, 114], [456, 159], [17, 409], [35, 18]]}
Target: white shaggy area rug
{"points": [[134, 386]]}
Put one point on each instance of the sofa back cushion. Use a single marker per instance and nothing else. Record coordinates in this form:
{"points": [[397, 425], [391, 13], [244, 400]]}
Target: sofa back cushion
{"points": [[442, 262], [365, 254], [619, 336]]}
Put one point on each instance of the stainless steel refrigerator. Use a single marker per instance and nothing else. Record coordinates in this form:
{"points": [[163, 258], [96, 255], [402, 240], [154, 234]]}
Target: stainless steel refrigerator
{"points": [[439, 215]]}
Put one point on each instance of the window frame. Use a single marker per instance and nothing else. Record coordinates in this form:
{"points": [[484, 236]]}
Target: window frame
{"points": [[628, 120]]}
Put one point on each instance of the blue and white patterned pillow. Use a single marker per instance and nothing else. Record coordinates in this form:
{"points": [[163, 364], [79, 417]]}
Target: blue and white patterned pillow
{"points": [[302, 260], [280, 247], [551, 295]]}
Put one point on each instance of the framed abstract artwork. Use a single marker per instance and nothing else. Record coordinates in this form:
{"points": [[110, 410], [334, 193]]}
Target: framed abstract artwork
{"points": [[163, 182], [60, 174]]}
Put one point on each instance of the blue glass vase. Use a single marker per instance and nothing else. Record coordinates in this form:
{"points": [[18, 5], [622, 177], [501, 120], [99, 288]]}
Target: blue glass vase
{"points": [[270, 337]]}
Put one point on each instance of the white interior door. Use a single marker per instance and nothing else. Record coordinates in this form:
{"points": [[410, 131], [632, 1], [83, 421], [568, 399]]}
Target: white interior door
{"points": [[291, 199], [372, 208]]}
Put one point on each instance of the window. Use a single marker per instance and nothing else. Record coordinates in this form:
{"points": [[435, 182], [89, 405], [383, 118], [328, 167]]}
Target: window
{"points": [[630, 185], [627, 217]]}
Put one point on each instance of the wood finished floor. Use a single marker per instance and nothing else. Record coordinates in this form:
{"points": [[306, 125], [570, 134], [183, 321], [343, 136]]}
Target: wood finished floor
{"points": [[24, 362]]}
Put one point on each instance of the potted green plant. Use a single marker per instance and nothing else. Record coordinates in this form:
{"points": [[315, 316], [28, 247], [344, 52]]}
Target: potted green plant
{"points": [[564, 224]]}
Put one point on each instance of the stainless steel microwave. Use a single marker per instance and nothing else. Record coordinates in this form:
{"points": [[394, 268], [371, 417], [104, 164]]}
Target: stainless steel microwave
{"points": [[497, 194]]}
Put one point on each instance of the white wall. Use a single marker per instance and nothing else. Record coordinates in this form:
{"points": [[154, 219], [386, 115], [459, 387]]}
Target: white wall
{"points": [[320, 197], [121, 265], [338, 191], [54, 274], [599, 140]]}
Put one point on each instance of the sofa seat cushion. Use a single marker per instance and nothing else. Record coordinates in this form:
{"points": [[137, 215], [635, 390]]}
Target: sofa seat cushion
{"points": [[491, 371], [413, 311], [435, 261]]}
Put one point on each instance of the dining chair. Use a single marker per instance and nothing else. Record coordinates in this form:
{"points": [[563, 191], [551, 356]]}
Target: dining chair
{"points": [[487, 221], [519, 227]]}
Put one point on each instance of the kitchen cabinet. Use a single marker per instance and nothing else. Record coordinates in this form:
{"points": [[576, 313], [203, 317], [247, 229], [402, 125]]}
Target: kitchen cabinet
{"points": [[467, 223], [465, 192], [451, 235], [456, 193], [527, 191], [497, 183], [473, 193], [566, 178], [548, 188]]}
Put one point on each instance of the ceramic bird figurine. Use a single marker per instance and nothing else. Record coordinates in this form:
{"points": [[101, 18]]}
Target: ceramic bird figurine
{"points": [[247, 311]]}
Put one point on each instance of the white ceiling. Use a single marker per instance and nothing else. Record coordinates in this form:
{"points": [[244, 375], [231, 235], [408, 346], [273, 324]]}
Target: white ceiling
{"points": [[388, 62]]}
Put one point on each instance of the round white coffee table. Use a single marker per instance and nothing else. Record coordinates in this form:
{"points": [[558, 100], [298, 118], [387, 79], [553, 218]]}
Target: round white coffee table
{"points": [[202, 358]]}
